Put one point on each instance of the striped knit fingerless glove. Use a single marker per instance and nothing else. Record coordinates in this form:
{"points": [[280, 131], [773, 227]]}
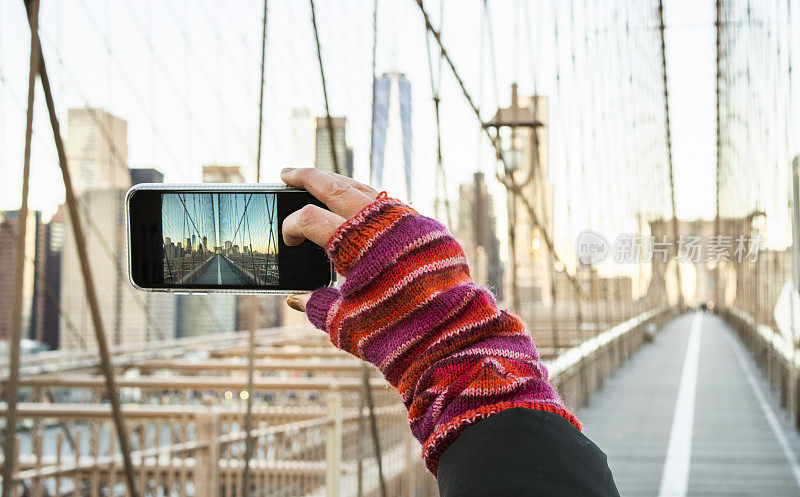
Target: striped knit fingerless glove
{"points": [[409, 306]]}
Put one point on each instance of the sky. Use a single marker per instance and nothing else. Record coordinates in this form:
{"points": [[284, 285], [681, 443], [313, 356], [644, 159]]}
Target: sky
{"points": [[185, 76]]}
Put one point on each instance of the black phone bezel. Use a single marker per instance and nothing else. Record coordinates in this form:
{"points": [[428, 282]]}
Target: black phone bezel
{"points": [[301, 268]]}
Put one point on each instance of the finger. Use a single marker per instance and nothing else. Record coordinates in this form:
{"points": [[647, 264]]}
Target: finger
{"points": [[311, 222], [340, 197], [298, 302], [365, 189]]}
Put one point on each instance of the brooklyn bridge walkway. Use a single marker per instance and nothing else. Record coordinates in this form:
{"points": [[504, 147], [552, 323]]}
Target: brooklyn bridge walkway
{"points": [[690, 414], [219, 272]]}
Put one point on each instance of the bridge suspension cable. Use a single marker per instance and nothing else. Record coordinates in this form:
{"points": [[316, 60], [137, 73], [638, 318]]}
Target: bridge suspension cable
{"points": [[328, 118], [495, 143]]}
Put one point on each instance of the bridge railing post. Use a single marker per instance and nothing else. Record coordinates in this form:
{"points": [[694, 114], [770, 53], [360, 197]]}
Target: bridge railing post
{"points": [[206, 472], [333, 446]]}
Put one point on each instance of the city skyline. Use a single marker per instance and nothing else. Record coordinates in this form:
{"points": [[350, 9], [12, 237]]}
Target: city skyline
{"points": [[224, 219], [161, 127], [234, 235]]}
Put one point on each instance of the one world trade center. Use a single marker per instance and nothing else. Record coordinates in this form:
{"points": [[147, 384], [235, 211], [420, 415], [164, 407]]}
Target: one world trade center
{"points": [[391, 136]]}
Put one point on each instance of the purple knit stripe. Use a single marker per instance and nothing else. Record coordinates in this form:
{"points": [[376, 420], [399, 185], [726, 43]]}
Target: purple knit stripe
{"points": [[384, 250], [456, 402], [320, 304], [371, 216], [470, 335], [395, 362], [520, 343], [374, 319], [442, 373], [509, 344], [394, 299], [467, 372], [402, 364], [530, 389], [533, 390], [465, 336], [424, 320]]}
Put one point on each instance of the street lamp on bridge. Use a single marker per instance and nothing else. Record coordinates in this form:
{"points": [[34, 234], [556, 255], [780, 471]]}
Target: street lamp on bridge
{"points": [[522, 169]]}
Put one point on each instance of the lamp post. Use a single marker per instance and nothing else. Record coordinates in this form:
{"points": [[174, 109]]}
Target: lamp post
{"points": [[515, 173]]}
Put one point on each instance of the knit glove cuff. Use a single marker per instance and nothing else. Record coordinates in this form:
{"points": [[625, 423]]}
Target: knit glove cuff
{"points": [[410, 307]]}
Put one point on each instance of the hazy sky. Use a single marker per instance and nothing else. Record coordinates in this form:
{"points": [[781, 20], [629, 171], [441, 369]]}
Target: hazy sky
{"points": [[185, 77]]}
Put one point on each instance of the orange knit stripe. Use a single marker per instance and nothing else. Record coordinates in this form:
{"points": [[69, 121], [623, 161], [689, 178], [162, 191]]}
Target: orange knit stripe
{"points": [[424, 286], [350, 247]]}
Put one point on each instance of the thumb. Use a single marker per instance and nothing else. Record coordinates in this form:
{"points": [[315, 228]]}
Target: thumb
{"points": [[298, 302], [322, 306]]}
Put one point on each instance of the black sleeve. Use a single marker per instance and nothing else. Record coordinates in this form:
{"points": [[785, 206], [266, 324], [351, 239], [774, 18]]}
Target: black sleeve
{"points": [[524, 452]]}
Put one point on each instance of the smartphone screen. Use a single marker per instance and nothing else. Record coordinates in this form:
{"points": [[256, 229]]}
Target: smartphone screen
{"points": [[225, 239]]}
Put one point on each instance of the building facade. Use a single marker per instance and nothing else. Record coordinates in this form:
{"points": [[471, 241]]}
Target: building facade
{"points": [[49, 248], [301, 138], [222, 173], [477, 232], [97, 153], [323, 156], [129, 317], [9, 226], [97, 150], [146, 175]]}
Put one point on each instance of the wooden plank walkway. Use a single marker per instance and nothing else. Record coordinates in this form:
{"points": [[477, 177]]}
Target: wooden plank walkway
{"points": [[734, 448]]}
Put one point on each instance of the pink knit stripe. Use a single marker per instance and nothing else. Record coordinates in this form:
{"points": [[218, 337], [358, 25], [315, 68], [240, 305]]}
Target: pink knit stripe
{"points": [[354, 221], [369, 243], [475, 323], [435, 266], [415, 245], [366, 342]]}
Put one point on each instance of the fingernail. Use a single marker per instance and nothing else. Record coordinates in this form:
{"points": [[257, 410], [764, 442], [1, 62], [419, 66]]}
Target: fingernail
{"points": [[287, 170], [295, 304]]}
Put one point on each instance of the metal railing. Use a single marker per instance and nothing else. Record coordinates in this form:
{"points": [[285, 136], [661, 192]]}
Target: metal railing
{"points": [[198, 451], [186, 422], [774, 355]]}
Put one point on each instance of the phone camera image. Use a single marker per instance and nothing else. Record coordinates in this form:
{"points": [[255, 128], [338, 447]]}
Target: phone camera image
{"points": [[220, 239]]}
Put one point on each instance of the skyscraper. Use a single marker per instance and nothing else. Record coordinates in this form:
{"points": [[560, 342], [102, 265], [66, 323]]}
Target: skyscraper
{"points": [[97, 147], [48, 280], [477, 233], [146, 175], [391, 136], [9, 226], [129, 316], [97, 150], [323, 159]]}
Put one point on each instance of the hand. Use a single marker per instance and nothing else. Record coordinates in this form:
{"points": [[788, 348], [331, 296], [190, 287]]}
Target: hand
{"points": [[344, 196]]}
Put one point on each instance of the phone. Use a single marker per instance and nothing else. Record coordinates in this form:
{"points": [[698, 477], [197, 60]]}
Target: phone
{"points": [[201, 238]]}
